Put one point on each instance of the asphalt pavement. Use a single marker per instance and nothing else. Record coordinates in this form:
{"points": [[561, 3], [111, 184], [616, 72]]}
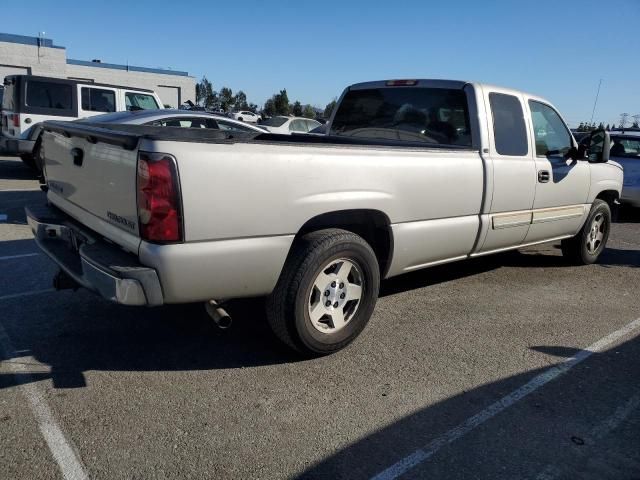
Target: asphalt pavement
{"points": [[510, 366]]}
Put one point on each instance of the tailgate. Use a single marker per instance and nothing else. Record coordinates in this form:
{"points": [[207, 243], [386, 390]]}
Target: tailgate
{"points": [[93, 179]]}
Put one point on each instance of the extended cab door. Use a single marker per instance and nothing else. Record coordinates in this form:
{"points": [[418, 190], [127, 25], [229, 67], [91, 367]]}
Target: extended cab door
{"points": [[511, 174], [562, 184]]}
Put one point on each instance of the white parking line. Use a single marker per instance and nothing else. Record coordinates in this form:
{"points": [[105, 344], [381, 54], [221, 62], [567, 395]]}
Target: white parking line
{"points": [[551, 472], [26, 294], [61, 449], [22, 255], [423, 454]]}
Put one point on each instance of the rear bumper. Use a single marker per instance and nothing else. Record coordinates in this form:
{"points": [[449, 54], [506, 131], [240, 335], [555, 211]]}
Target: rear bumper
{"points": [[16, 146], [93, 263]]}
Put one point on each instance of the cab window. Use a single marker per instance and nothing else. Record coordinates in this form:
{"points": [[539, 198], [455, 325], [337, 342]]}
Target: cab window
{"points": [[551, 135], [429, 116]]}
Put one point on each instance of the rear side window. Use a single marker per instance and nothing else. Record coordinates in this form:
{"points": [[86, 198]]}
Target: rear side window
{"points": [[49, 95], [98, 100], [140, 101], [408, 114], [509, 129], [9, 101]]}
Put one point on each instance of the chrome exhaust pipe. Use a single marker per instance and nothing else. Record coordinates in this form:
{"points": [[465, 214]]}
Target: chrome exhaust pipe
{"points": [[219, 315]]}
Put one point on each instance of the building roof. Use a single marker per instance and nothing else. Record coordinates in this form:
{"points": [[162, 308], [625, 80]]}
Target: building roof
{"points": [[48, 43]]}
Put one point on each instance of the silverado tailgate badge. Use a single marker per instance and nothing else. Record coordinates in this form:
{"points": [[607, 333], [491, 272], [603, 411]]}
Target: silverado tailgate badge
{"points": [[121, 220]]}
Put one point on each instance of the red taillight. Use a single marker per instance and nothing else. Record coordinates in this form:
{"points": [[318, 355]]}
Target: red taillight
{"points": [[401, 83], [159, 211], [16, 119]]}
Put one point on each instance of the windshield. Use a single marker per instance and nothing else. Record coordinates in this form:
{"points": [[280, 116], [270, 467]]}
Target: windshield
{"points": [[140, 101], [428, 115], [275, 121]]}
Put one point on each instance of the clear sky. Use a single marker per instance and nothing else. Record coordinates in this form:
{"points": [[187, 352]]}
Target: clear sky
{"points": [[558, 49]]}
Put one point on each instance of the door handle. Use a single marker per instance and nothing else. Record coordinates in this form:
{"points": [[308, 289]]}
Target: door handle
{"points": [[543, 176]]}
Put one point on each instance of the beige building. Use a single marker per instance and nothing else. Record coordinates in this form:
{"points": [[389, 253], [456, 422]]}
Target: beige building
{"points": [[21, 54]]}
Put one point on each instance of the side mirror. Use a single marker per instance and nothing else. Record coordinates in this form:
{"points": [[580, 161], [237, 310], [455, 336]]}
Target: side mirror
{"points": [[599, 146]]}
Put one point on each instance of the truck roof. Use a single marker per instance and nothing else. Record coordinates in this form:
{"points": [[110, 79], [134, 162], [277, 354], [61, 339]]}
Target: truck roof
{"points": [[435, 83], [76, 82]]}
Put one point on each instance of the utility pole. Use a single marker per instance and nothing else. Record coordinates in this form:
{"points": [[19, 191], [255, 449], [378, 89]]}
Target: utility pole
{"points": [[596, 101]]}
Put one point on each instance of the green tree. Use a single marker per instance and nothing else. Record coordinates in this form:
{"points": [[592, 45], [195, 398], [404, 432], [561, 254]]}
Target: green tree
{"points": [[308, 111], [281, 103], [296, 109], [205, 95], [226, 99], [253, 107], [581, 127], [328, 110], [634, 125], [269, 108], [601, 125], [240, 101], [608, 127]]}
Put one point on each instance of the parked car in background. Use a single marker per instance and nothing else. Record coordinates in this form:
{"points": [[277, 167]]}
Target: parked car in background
{"points": [[625, 150], [29, 100], [289, 125], [245, 116], [414, 173], [175, 118]]}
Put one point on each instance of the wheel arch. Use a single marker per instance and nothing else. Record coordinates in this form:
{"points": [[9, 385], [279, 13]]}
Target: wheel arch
{"points": [[374, 226], [609, 196]]}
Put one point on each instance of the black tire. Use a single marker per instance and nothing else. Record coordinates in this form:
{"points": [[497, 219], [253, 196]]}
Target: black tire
{"points": [[240, 119], [287, 306], [576, 249]]}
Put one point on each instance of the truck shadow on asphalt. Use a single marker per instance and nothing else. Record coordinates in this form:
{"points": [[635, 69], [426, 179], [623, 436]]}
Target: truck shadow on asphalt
{"points": [[572, 426], [16, 170], [72, 333], [12, 204]]}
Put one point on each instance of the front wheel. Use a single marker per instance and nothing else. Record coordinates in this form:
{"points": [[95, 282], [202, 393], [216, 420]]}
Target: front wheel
{"points": [[326, 292], [588, 244]]}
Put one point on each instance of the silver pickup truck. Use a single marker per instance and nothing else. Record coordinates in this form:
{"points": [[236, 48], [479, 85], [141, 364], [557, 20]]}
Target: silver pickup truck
{"points": [[413, 173]]}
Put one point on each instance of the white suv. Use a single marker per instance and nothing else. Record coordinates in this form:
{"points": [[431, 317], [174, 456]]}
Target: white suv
{"points": [[29, 100]]}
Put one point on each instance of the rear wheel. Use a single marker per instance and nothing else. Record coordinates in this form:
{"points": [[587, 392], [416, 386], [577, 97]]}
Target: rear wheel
{"points": [[588, 244], [326, 293]]}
